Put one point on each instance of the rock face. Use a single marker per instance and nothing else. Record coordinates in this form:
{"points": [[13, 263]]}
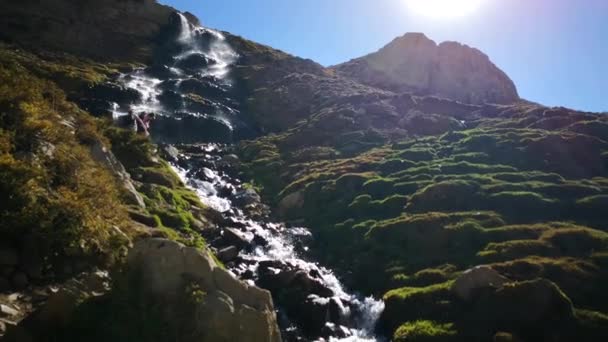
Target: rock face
{"points": [[414, 63], [233, 310], [107, 29]]}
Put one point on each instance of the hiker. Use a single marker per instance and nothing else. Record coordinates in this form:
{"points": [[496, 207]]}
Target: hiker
{"points": [[146, 120]]}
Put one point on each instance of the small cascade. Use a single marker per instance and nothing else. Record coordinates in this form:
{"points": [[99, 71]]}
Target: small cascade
{"points": [[191, 90], [185, 35]]}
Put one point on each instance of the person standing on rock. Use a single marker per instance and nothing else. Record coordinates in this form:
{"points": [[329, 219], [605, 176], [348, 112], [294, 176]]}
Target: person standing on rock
{"points": [[144, 121]]}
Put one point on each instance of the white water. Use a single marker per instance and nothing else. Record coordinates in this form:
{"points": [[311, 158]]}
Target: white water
{"points": [[281, 246]]}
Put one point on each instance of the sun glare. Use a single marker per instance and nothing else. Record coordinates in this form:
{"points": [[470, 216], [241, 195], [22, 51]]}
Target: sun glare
{"points": [[443, 8]]}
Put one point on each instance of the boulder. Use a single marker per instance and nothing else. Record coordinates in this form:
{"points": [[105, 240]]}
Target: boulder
{"points": [[195, 62], [293, 201], [159, 71], [228, 254], [233, 237], [231, 310], [477, 278], [246, 197]]}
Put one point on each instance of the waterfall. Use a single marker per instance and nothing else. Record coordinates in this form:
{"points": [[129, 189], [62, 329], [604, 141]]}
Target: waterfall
{"points": [[185, 35], [201, 65]]}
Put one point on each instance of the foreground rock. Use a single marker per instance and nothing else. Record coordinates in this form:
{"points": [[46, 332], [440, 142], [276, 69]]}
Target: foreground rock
{"points": [[232, 310]]}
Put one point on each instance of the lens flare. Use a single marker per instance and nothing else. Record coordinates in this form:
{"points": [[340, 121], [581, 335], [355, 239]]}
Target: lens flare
{"points": [[444, 8]]}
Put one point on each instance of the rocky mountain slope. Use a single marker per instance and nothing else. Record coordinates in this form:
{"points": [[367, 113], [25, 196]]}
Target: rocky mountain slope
{"points": [[414, 63], [423, 178]]}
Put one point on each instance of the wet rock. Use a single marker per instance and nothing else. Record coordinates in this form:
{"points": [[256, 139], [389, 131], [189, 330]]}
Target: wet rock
{"points": [[202, 88], [230, 160], [20, 280], [228, 254], [336, 310], [115, 93], [171, 100], [8, 256], [335, 330], [159, 71], [247, 197], [307, 284], [195, 62], [169, 153], [312, 315], [260, 241], [477, 278], [2, 328], [233, 237]]}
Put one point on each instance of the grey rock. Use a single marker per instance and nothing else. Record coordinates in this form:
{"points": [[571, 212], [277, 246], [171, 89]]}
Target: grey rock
{"points": [[232, 310], [477, 278], [233, 237], [228, 254], [103, 155]]}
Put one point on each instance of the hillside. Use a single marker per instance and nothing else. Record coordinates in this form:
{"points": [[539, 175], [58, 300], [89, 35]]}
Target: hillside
{"points": [[409, 194]]}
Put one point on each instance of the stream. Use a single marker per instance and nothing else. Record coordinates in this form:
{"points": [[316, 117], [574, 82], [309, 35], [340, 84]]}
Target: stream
{"points": [[312, 303]]}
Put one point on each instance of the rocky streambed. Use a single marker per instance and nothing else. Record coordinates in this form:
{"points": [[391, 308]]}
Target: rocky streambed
{"points": [[312, 302], [190, 87]]}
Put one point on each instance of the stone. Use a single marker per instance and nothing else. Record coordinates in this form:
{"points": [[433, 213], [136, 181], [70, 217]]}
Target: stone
{"points": [[293, 201], [169, 153], [228, 254], [195, 62], [103, 155], [233, 237], [2, 328], [6, 310], [477, 278], [231, 310], [8, 257], [20, 280], [159, 71], [246, 197]]}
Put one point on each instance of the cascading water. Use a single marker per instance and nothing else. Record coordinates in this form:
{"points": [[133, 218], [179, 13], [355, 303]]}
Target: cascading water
{"points": [[192, 95]]}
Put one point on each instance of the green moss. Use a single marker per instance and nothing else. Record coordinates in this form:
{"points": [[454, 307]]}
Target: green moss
{"points": [[423, 331], [516, 249]]}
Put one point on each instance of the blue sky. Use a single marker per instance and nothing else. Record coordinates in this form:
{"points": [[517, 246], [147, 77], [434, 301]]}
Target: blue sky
{"points": [[556, 51]]}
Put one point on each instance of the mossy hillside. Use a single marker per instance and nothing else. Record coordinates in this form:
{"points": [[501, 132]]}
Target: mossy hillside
{"points": [[60, 200], [514, 192], [56, 195], [175, 210]]}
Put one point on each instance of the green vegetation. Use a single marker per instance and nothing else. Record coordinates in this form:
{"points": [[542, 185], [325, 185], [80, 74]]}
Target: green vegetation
{"points": [[403, 217], [422, 331], [55, 194]]}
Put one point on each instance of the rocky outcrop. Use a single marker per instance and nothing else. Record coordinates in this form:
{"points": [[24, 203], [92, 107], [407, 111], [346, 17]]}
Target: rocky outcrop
{"points": [[414, 63], [231, 310], [107, 29], [477, 278]]}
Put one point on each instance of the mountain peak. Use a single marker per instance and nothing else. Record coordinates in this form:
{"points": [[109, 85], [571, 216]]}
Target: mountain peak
{"points": [[415, 63]]}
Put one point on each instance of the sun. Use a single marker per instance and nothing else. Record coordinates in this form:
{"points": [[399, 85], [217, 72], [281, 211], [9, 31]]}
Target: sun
{"points": [[444, 8]]}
